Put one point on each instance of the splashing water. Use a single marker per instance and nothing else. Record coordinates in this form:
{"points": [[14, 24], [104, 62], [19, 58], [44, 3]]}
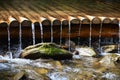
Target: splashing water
{"points": [[9, 53], [51, 32], [61, 33], [58, 76], [79, 33], [69, 31], [90, 37], [33, 33], [100, 35], [41, 29]]}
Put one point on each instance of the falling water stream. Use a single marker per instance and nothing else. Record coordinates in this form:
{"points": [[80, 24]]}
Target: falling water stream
{"points": [[119, 39], [8, 29], [9, 53], [90, 35], [41, 30], [51, 31], [20, 41], [79, 33], [69, 33], [61, 33], [33, 33], [100, 35], [20, 37]]}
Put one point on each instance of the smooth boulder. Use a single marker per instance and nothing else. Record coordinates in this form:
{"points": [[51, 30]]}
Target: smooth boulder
{"points": [[109, 48], [46, 51], [110, 60], [86, 51]]}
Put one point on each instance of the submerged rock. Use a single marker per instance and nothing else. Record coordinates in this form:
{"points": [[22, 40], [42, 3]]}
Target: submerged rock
{"points": [[41, 70], [18, 75], [86, 51], [33, 75], [3, 61], [110, 60], [45, 50]]}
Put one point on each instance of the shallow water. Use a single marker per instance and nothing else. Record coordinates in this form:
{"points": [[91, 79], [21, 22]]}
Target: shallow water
{"points": [[84, 68], [76, 69]]}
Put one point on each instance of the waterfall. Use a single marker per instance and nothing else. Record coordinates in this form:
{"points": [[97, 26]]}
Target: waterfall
{"points": [[20, 38], [119, 39], [61, 33], [8, 29], [79, 33], [69, 33], [9, 53], [51, 31], [41, 30], [33, 33], [20, 41], [90, 36], [100, 35]]}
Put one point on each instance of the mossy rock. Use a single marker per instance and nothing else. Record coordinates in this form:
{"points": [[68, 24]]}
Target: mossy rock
{"points": [[46, 51]]}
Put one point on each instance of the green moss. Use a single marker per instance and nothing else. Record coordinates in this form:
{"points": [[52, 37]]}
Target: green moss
{"points": [[46, 50], [51, 50]]}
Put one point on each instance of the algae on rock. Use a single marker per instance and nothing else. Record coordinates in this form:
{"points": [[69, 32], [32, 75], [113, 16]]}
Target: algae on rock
{"points": [[46, 50]]}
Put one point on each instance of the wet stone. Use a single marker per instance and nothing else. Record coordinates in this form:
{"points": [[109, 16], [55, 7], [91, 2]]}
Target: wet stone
{"points": [[85, 51], [109, 49], [33, 75], [46, 51], [110, 60], [41, 70], [3, 61], [18, 75]]}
